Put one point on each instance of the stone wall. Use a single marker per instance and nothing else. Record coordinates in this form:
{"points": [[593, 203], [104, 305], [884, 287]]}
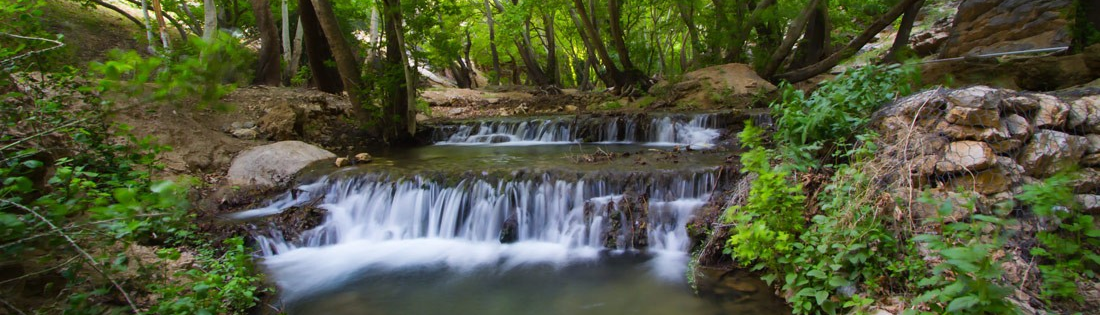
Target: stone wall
{"points": [[991, 142]]}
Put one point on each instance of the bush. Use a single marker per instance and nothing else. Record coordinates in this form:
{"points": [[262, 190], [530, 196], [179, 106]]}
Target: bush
{"points": [[1070, 246]]}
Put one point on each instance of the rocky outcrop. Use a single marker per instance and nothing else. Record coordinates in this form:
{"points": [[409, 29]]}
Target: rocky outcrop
{"points": [[991, 26], [728, 85], [273, 164], [282, 122]]}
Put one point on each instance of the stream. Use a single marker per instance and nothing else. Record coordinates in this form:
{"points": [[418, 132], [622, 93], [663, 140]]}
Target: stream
{"points": [[513, 216]]}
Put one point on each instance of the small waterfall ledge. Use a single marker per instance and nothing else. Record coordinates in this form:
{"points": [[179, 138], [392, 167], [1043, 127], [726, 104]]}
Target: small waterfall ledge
{"points": [[697, 131], [379, 223]]}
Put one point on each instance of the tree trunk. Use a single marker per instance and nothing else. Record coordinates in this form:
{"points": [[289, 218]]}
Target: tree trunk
{"points": [[286, 33], [535, 74], [614, 9], [160, 23], [267, 73], [495, 78], [296, 48], [853, 46], [687, 14], [552, 72], [119, 11], [904, 30], [591, 60], [325, 76], [742, 34], [400, 123], [789, 39], [148, 26], [814, 45], [597, 45], [210, 19]]}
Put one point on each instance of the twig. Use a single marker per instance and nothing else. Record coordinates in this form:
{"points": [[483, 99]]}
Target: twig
{"points": [[41, 271], [66, 125], [57, 44], [12, 307], [91, 260]]}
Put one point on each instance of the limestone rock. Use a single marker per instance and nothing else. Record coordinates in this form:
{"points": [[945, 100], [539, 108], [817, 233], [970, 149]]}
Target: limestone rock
{"points": [[1090, 204], [990, 26], [1021, 104], [1051, 151], [966, 156], [1092, 104], [978, 97], [1052, 113], [245, 133], [570, 108], [1093, 143], [281, 123], [973, 116], [362, 158], [341, 162], [1079, 113], [273, 164], [998, 179], [1017, 126], [958, 132], [1006, 146], [1087, 181], [1091, 159]]}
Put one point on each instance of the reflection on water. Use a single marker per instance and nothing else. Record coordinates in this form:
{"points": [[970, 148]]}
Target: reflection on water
{"points": [[614, 284]]}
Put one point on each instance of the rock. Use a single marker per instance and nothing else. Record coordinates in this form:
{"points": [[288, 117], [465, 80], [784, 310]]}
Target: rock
{"points": [[958, 132], [1090, 204], [1006, 146], [341, 162], [509, 231], [969, 156], [977, 97], [362, 158], [281, 123], [1079, 113], [989, 182], [958, 203], [1091, 160], [991, 26], [273, 164], [1021, 104], [973, 116], [1093, 143], [1052, 113], [570, 108], [1087, 181], [1051, 151], [248, 124], [1017, 126], [1092, 103], [246, 134]]}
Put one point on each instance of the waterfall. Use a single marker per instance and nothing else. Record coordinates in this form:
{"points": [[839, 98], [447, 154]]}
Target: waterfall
{"points": [[374, 222], [697, 131]]}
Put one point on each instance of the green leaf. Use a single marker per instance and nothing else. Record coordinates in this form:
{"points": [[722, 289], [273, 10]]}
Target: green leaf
{"points": [[32, 164], [821, 297], [962, 303]]}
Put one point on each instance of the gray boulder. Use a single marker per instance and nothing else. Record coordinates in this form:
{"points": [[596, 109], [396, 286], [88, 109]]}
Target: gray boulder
{"points": [[273, 164]]}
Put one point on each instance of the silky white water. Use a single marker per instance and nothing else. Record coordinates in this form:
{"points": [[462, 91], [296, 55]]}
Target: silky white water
{"points": [[698, 131]]}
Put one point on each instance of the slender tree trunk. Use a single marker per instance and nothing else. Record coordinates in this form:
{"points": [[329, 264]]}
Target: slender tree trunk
{"points": [[597, 43], [535, 74], [851, 48], [148, 26], [189, 22], [614, 9], [210, 19], [268, 72], [742, 34], [160, 23], [687, 14], [296, 48], [286, 33], [901, 40], [789, 39], [325, 76], [375, 34], [495, 78], [683, 54], [552, 71], [401, 110], [591, 60]]}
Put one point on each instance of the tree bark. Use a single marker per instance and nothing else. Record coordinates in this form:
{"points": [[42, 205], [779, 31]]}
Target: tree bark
{"points": [[210, 19], [160, 23], [325, 76], [815, 44], [742, 34], [687, 15], [285, 11], [591, 60], [552, 72], [345, 58], [614, 10], [296, 48], [495, 78], [901, 40], [604, 59], [851, 48], [268, 72], [399, 121], [148, 26], [789, 39]]}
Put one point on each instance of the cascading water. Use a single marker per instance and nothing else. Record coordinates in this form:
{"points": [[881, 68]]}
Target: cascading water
{"points": [[536, 235], [697, 131]]}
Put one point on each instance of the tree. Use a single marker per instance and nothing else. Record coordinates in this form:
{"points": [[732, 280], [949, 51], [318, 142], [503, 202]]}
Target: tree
{"points": [[268, 72]]}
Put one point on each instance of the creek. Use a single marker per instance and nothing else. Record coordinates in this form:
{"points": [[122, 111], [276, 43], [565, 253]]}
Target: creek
{"points": [[543, 215]]}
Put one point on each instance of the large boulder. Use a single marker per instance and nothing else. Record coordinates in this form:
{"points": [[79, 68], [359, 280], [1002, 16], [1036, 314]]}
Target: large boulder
{"points": [[273, 164], [282, 122], [991, 26]]}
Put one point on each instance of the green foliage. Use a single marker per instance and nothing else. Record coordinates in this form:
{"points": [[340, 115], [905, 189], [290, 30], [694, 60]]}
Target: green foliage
{"points": [[833, 114], [967, 279], [766, 226], [207, 70], [1070, 246], [225, 284]]}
